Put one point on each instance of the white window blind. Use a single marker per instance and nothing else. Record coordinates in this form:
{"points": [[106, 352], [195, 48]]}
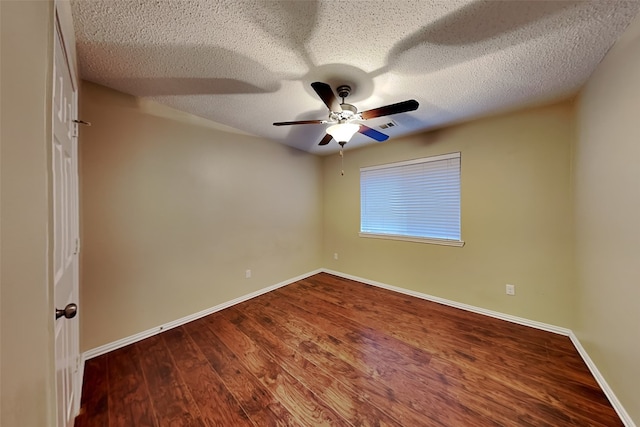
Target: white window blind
{"points": [[413, 200]]}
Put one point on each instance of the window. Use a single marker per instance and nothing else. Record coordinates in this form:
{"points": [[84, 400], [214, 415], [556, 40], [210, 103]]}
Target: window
{"points": [[417, 200]]}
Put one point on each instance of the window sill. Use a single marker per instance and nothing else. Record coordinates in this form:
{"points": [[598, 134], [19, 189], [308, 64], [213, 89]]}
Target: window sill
{"points": [[433, 241]]}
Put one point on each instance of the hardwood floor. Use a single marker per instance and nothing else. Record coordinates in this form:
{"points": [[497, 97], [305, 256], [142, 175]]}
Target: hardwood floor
{"points": [[327, 351]]}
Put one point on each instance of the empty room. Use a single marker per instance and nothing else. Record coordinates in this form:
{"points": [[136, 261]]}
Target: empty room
{"points": [[320, 213]]}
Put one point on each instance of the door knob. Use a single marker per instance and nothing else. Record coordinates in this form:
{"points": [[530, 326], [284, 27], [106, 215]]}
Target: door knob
{"points": [[68, 312]]}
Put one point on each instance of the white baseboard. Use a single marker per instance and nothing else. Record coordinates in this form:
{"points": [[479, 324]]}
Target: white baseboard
{"points": [[509, 318], [622, 413], [98, 351], [624, 416]]}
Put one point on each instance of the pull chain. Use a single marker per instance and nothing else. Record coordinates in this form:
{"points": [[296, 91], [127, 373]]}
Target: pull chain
{"points": [[342, 162]]}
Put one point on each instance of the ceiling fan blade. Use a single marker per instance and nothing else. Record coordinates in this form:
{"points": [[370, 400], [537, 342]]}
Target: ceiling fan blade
{"points": [[325, 93], [326, 139], [400, 107], [372, 133], [300, 122]]}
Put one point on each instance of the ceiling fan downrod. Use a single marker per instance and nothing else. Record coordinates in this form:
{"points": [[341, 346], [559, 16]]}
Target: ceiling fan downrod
{"points": [[343, 91]]}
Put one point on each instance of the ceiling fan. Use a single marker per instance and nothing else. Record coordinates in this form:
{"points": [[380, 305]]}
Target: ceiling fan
{"points": [[345, 117]]}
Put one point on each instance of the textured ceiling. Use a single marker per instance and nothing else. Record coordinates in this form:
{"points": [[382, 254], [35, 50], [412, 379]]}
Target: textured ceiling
{"points": [[247, 64]]}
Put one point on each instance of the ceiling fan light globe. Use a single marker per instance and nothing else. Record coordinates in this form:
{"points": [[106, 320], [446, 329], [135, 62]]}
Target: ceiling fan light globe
{"points": [[343, 132]]}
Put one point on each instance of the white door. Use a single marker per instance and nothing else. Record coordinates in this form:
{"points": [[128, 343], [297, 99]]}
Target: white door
{"points": [[65, 235]]}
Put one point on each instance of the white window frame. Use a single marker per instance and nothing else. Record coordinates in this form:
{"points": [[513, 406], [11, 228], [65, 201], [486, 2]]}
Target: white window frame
{"points": [[418, 239]]}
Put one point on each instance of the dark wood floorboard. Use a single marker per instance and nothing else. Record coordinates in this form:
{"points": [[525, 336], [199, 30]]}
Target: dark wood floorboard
{"points": [[327, 351], [95, 406], [129, 399], [217, 405]]}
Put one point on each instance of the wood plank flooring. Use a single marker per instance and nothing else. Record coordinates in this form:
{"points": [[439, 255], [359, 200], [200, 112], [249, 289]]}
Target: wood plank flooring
{"points": [[327, 351]]}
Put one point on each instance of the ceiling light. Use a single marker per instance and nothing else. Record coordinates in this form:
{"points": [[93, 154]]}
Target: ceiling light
{"points": [[343, 132]]}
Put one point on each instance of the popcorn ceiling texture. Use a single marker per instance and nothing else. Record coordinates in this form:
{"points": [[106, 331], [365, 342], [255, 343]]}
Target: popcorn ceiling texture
{"points": [[247, 64]]}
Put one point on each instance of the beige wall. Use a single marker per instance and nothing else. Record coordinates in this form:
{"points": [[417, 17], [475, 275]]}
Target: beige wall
{"points": [[516, 216], [173, 211], [26, 312], [607, 193]]}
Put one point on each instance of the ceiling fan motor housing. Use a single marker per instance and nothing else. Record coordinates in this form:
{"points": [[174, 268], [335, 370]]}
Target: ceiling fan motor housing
{"points": [[348, 112]]}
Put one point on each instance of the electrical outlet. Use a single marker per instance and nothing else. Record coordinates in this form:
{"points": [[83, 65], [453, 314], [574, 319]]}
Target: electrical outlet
{"points": [[511, 289], [247, 274], [335, 255]]}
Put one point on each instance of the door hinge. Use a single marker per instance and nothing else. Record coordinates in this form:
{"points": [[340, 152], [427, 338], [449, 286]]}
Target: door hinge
{"points": [[77, 248]]}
